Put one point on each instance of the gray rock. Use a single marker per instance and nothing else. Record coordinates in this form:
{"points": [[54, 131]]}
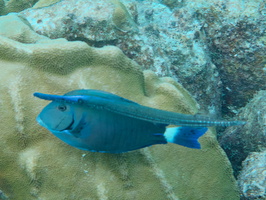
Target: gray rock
{"points": [[97, 22], [238, 51], [252, 179], [239, 141]]}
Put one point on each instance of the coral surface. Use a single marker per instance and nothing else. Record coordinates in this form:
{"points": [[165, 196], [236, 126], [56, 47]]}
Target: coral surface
{"points": [[36, 165]]}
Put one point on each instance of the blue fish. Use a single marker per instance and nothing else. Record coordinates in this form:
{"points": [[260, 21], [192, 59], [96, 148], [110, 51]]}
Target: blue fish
{"points": [[99, 121]]}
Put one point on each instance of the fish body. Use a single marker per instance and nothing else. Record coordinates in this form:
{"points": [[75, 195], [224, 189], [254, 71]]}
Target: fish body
{"points": [[99, 121]]}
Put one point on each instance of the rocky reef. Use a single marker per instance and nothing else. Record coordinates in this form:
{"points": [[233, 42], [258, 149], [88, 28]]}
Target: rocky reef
{"points": [[238, 142], [245, 147], [210, 47], [252, 179], [36, 165]]}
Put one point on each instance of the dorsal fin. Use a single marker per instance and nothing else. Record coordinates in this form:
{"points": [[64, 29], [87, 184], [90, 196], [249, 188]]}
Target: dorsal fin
{"points": [[99, 94], [97, 99]]}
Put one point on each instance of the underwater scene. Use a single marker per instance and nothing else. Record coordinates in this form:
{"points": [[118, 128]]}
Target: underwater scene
{"points": [[132, 100]]}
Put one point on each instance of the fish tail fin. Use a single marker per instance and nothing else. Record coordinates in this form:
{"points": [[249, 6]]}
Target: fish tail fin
{"points": [[185, 136]]}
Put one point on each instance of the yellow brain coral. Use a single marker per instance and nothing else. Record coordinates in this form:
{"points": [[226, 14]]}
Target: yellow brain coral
{"points": [[36, 165]]}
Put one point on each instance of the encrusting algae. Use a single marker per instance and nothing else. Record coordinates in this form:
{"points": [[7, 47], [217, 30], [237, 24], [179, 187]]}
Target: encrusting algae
{"points": [[35, 164]]}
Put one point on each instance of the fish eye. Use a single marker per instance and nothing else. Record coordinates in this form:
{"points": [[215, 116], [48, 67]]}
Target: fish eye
{"points": [[61, 108]]}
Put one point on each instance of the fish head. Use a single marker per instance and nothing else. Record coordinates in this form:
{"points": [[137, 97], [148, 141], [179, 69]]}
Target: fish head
{"points": [[67, 117], [66, 121], [64, 113], [57, 116]]}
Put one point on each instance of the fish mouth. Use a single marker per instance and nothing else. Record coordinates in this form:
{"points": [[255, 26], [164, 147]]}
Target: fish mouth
{"points": [[70, 127], [39, 120]]}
